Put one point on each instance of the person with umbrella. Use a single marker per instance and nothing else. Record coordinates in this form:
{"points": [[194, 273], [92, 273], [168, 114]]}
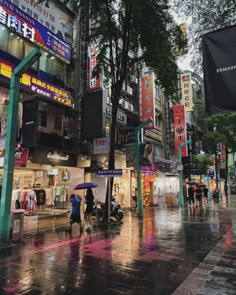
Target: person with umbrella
{"points": [[89, 199]]}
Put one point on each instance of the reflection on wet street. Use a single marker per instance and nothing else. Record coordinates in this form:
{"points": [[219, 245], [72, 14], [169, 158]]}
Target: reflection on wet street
{"points": [[153, 255]]}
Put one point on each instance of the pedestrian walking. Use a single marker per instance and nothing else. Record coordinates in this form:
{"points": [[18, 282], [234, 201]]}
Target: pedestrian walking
{"points": [[205, 195], [198, 193], [75, 217], [191, 195], [135, 199], [89, 199]]}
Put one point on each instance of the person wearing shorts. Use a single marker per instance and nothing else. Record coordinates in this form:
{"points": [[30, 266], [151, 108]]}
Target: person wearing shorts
{"points": [[75, 217]]}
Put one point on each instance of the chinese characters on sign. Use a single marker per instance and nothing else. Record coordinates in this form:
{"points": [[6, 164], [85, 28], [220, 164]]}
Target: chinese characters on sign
{"points": [[21, 23], [33, 84], [180, 129], [110, 173], [101, 145], [148, 98], [93, 81], [186, 91]]}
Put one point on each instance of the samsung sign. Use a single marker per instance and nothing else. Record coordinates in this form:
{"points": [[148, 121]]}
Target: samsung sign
{"points": [[121, 116]]}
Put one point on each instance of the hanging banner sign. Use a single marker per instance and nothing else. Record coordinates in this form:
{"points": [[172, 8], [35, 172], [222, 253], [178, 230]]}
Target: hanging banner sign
{"points": [[186, 91], [148, 98], [180, 129], [33, 84], [29, 28], [93, 81]]}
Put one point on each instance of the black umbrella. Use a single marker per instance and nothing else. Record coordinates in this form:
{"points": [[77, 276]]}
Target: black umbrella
{"points": [[192, 182]]}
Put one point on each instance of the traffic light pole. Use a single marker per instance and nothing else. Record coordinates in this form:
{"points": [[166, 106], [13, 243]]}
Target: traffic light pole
{"points": [[8, 171]]}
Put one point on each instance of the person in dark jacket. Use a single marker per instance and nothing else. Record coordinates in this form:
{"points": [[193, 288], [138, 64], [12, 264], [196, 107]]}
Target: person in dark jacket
{"points": [[198, 193], [89, 199], [191, 195]]}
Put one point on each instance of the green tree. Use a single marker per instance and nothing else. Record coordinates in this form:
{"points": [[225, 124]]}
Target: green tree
{"points": [[208, 15], [134, 32]]}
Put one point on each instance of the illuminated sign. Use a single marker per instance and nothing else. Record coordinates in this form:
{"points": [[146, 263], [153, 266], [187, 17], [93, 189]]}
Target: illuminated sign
{"points": [[33, 84], [17, 20]]}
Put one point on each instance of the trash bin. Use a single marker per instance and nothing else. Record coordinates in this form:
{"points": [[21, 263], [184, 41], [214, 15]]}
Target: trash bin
{"points": [[17, 225]]}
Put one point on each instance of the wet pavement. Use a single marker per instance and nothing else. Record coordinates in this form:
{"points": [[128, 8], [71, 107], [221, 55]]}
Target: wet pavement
{"points": [[169, 251]]}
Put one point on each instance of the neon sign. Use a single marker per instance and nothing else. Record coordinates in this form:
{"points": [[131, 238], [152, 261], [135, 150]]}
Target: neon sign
{"points": [[33, 84], [17, 20]]}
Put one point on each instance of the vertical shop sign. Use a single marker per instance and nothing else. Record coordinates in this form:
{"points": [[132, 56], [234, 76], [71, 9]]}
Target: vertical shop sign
{"points": [[148, 98], [186, 91], [180, 129], [93, 81], [223, 157]]}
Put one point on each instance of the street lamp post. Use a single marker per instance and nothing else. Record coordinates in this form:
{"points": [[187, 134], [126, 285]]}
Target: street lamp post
{"points": [[137, 160], [8, 171], [181, 196]]}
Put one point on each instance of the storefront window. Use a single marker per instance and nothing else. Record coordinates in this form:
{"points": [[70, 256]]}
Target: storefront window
{"points": [[4, 35]]}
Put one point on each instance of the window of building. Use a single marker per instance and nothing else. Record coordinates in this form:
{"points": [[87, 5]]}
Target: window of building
{"points": [[15, 46], [4, 35], [58, 121], [27, 49], [43, 119]]}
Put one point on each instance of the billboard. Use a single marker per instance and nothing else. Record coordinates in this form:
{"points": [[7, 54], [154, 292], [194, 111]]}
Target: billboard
{"points": [[219, 64], [29, 28], [34, 84], [186, 92], [180, 129], [148, 98]]}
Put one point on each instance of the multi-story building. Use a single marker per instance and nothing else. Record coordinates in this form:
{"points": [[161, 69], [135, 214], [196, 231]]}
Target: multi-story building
{"points": [[47, 146]]}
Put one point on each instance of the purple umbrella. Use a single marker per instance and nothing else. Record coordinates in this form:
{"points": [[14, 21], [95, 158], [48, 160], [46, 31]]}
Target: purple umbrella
{"points": [[85, 185]]}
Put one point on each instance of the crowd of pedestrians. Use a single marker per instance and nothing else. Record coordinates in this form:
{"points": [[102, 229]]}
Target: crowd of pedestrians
{"points": [[197, 195]]}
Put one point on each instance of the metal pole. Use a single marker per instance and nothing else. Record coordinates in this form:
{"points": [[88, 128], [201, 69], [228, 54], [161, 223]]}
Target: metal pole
{"points": [[137, 161], [181, 196], [8, 171], [208, 187]]}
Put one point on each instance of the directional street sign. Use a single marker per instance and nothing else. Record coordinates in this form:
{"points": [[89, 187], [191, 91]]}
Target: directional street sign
{"points": [[110, 173]]}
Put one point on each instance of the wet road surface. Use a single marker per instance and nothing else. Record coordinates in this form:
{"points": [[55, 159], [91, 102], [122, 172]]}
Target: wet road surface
{"points": [[169, 251]]}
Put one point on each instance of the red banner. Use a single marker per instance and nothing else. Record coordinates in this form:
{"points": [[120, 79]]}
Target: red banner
{"points": [[147, 98], [180, 129], [21, 157]]}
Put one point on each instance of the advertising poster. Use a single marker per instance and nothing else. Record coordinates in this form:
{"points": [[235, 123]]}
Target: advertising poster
{"points": [[219, 66], [186, 91], [148, 98], [180, 129]]}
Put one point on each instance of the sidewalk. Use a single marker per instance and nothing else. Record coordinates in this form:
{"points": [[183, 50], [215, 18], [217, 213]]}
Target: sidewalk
{"points": [[169, 251]]}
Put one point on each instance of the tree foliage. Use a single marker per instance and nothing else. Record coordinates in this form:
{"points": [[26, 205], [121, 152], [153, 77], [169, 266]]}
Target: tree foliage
{"points": [[201, 163], [208, 15]]}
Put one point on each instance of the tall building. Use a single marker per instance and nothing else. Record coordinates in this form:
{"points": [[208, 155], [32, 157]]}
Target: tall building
{"points": [[47, 143]]}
